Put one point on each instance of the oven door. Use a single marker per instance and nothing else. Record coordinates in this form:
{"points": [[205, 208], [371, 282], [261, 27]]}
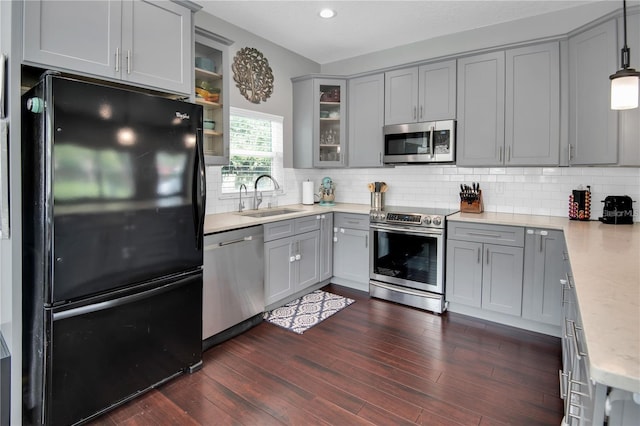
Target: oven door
{"points": [[408, 257]]}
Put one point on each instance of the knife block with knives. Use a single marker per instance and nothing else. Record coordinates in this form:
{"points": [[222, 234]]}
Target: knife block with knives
{"points": [[471, 198]]}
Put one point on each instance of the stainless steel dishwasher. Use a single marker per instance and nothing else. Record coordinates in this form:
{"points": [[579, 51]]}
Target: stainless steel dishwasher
{"points": [[233, 288]]}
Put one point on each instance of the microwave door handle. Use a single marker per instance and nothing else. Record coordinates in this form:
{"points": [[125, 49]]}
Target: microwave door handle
{"points": [[431, 129]]}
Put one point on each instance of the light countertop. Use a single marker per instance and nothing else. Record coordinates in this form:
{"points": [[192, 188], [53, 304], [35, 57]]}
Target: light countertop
{"points": [[605, 262], [233, 220]]}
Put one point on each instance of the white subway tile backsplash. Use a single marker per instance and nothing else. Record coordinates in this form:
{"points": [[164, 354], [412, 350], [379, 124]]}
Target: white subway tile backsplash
{"points": [[528, 190]]}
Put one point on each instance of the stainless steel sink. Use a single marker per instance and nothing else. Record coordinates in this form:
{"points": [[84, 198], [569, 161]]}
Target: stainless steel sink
{"points": [[268, 212]]}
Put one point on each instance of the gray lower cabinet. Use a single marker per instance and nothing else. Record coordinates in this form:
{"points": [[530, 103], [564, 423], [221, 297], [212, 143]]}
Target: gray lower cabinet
{"points": [[114, 39], [326, 245], [544, 252], [291, 257], [351, 250], [484, 267], [366, 119], [593, 126]]}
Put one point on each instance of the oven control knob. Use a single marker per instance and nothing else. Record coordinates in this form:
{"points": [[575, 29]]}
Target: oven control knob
{"points": [[426, 220], [437, 220], [381, 215]]}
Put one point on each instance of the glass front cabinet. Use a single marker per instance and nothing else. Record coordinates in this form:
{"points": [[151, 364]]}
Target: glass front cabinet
{"points": [[211, 91], [319, 122]]}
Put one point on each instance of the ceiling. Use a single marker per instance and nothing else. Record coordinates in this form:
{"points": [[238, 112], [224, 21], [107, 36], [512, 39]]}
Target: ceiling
{"points": [[362, 27]]}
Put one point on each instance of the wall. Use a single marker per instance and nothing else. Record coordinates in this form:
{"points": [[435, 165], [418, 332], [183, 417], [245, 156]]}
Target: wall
{"points": [[522, 30]]}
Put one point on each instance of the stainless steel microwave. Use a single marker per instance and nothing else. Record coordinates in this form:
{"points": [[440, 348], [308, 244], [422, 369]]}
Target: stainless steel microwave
{"points": [[429, 142]]}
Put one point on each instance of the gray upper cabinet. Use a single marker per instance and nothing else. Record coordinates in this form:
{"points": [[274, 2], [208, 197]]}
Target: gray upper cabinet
{"points": [[630, 119], [366, 118], [509, 107], [424, 93], [401, 96], [593, 126], [532, 113], [437, 95], [319, 122], [481, 84], [83, 36], [543, 269], [141, 42]]}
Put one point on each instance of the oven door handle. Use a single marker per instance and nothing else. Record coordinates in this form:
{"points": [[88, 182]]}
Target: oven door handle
{"points": [[434, 232]]}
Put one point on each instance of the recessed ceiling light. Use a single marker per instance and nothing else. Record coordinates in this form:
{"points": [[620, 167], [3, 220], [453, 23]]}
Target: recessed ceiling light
{"points": [[327, 13]]}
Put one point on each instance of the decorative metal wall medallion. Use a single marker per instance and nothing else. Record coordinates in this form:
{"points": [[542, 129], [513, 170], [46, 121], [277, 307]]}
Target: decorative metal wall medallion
{"points": [[252, 74]]}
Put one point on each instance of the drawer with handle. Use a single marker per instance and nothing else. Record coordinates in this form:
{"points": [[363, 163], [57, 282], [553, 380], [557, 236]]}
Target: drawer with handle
{"points": [[351, 221], [482, 233]]}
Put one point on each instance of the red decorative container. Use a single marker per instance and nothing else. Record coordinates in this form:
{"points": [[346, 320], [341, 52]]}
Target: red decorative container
{"points": [[580, 204]]}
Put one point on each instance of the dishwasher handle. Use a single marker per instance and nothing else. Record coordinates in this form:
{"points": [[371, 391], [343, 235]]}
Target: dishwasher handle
{"points": [[232, 242], [239, 240]]}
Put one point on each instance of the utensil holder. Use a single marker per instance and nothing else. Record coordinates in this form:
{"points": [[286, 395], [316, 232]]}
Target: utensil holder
{"points": [[377, 201], [475, 206]]}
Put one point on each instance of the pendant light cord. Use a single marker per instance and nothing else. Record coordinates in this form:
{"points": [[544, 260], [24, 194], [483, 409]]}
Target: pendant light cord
{"points": [[626, 59]]}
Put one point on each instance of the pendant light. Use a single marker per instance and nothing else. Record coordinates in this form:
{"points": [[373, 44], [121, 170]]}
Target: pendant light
{"points": [[624, 83]]}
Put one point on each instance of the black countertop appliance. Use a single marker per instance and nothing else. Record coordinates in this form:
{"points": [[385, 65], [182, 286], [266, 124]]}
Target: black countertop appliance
{"points": [[617, 210]]}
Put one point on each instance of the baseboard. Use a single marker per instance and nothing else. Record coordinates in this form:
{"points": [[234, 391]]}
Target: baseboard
{"points": [[232, 332], [518, 322], [351, 284]]}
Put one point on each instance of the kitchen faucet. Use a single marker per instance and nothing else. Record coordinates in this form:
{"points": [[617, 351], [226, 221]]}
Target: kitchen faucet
{"points": [[241, 204], [257, 200]]}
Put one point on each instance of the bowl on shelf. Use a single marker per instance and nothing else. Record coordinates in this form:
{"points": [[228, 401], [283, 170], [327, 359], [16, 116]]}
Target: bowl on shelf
{"points": [[324, 114], [205, 64], [209, 124]]}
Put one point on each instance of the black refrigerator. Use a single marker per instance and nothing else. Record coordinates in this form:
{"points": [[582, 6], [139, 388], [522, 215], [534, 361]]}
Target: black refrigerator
{"points": [[113, 199]]}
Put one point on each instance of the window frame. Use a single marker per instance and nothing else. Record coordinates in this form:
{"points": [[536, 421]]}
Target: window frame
{"points": [[277, 153]]}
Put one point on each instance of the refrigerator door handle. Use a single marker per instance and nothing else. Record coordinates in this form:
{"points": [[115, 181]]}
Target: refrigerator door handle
{"points": [[108, 304], [199, 192]]}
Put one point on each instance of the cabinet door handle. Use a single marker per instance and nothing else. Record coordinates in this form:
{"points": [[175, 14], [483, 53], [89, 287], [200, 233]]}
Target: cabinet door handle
{"points": [[380, 158], [487, 255], [414, 113], [479, 254], [509, 154], [541, 243], [570, 156], [500, 155], [117, 59], [292, 259], [561, 376], [420, 112], [298, 257], [574, 329], [128, 62], [366, 241]]}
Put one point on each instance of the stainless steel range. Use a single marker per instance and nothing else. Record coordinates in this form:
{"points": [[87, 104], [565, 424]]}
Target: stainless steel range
{"points": [[407, 256]]}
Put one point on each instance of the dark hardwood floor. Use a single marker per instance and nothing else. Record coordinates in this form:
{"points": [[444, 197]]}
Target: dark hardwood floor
{"points": [[372, 363]]}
